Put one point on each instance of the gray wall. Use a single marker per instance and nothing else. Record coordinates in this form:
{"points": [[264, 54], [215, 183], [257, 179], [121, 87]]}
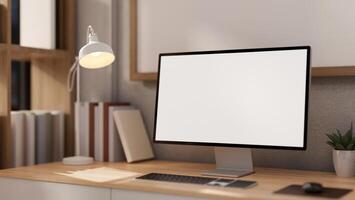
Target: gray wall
{"points": [[332, 105], [97, 85]]}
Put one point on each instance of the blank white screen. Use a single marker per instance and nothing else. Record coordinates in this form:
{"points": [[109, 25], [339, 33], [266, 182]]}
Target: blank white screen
{"points": [[250, 98]]}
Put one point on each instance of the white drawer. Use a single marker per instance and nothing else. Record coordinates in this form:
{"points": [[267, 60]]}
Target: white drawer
{"points": [[18, 189], [136, 195]]}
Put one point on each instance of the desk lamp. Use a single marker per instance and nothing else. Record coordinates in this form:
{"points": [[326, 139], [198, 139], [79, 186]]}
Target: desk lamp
{"points": [[93, 55]]}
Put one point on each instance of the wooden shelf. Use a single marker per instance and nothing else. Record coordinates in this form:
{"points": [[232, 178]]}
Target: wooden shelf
{"points": [[336, 71], [26, 53], [18, 52], [152, 76], [341, 71], [49, 69]]}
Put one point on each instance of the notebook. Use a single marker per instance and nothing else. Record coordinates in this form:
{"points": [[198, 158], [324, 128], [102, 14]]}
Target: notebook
{"points": [[115, 150], [133, 134]]}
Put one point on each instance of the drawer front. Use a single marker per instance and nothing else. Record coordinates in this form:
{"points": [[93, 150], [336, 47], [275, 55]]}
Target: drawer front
{"points": [[136, 195], [17, 189]]}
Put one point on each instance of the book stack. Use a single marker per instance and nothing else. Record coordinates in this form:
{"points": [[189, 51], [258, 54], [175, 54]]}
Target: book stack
{"points": [[37, 137], [97, 133]]}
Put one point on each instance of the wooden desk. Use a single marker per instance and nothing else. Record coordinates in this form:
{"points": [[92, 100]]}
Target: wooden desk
{"points": [[21, 182]]}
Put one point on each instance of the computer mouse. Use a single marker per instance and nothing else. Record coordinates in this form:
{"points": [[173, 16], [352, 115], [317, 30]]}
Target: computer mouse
{"points": [[312, 187]]}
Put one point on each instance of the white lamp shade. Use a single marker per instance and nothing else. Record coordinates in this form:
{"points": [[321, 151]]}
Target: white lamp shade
{"points": [[96, 55]]}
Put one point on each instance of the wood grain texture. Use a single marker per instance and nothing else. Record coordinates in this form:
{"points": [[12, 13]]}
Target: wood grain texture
{"points": [[5, 107], [49, 91], [3, 22], [134, 74], [5, 85], [133, 40], [269, 180], [49, 74], [333, 71], [27, 53], [70, 47]]}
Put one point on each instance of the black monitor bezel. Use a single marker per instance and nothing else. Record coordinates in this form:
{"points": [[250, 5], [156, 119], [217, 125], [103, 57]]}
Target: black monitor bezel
{"points": [[308, 78]]}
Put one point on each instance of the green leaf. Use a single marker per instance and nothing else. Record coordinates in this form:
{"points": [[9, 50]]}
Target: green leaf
{"points": [[331, 144], [341, 141], [330, 137], [348, 135], [339, 135], [334, 137]]}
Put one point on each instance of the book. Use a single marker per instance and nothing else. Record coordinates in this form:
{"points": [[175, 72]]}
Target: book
{"points": [[115, 146], [58, 125], [103, 113], [30, 138], [39, 135], [98, 136], [18, 138], [15, 21], [44, 137], [37, 23], [133, 135], [92, 129]]}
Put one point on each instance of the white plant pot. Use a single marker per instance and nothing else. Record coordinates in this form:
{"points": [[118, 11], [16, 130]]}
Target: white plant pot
{"points": [[344, 163]]}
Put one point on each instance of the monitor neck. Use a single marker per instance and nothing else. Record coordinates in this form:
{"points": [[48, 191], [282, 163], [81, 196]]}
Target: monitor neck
{"points": [[232, 162]]}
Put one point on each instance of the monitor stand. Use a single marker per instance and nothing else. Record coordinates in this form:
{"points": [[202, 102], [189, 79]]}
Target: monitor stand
{"points": [[232, 162]]}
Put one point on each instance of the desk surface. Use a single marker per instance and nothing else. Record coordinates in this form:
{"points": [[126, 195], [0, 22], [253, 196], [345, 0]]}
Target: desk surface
{"points": [[269, 180]]}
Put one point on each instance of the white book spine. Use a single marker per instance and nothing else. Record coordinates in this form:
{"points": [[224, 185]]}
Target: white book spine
{"points": [[99, 149], [18, 137]]}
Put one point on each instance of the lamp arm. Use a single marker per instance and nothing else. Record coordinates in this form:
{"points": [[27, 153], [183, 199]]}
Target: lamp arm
{"points": [[74, 71], [71, 75]]}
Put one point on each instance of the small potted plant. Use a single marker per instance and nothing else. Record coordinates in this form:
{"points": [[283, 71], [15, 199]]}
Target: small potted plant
{"points": [[343, 152]]}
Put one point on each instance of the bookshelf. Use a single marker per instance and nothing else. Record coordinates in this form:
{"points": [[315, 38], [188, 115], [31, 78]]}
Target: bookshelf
{"points": [[49, 70]]}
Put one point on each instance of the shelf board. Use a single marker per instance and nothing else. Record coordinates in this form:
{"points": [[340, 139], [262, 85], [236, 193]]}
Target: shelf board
{"points": [[27, 53], [335, 71], [339, 71], [18, 52], [151, 76]]}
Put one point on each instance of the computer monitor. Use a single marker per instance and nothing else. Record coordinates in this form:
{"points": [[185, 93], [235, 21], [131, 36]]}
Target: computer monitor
{"points": [[245, 98]]}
